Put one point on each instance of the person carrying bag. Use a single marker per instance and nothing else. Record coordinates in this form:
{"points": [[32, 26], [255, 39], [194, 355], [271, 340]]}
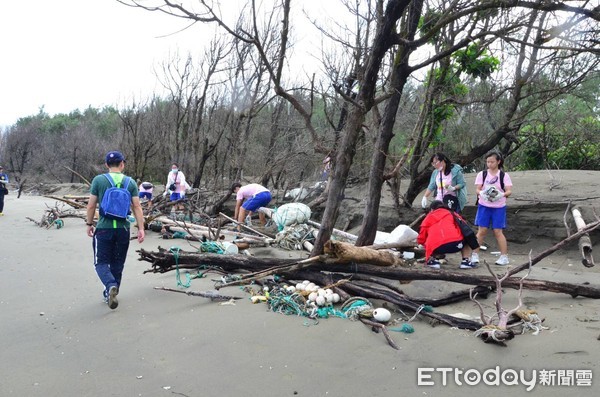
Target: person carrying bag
{"points": [[448, 181]]}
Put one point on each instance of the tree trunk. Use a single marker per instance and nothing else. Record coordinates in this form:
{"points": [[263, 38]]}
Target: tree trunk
{"points": [[376, 178], [365, 99]]}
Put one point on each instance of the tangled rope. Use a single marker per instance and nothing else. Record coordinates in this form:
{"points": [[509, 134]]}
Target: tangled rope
{"points": [[530, 321], [282, 301], [353, 307], [212, 247], [289, 304], [293, 237], [188, 277], [175, 252]]}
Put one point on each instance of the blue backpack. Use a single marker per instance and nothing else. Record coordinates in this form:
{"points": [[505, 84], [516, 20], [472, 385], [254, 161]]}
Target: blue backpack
{"points": [[116, 201]]}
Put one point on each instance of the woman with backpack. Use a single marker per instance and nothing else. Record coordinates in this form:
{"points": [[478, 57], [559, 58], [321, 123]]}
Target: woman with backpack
{"points": [[493, 187], [448, 181]]}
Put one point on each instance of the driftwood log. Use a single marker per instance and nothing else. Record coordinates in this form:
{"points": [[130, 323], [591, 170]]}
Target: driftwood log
{"points": [[346, 253], [164, 261], [585, 243], [499, 332]]}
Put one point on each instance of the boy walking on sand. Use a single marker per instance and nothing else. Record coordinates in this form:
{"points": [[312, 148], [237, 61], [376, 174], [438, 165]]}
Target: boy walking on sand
{"points": [[493, 187], [111, 233]]}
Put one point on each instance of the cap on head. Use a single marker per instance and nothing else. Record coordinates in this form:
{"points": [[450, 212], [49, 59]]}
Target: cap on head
{"points": [[114, 157]]}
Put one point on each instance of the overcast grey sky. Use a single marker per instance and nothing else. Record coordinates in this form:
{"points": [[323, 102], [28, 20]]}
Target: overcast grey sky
{"points": [[70, 54]]}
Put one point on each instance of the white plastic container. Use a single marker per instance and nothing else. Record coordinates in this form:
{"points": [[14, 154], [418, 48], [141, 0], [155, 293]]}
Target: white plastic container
{"points": [[230, 248]]}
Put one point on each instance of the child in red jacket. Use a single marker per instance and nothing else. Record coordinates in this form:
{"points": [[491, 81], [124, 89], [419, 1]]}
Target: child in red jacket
{"points": [[440, 234]]}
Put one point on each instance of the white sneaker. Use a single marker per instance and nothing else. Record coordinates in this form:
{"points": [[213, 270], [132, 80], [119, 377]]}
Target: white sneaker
{"points": [[503, 260], [474, 257]]}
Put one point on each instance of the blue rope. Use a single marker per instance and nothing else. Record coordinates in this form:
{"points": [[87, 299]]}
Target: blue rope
{"points": [[188, 283], [406, 328], [212, 247]]}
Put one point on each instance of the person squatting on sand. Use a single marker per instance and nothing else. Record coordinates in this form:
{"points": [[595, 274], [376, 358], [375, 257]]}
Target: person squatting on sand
{"points": [[440, 234], [253, 196], [111, 235], [493, 187], [448, 181]]}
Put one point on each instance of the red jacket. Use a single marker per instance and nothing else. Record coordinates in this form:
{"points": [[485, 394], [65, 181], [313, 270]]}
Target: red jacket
{"points": [[437, 229]]}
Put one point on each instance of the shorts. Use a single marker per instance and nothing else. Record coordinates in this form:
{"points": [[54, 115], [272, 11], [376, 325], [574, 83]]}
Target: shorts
{"points": [[146, 195], [449, 248], [175, 196], [258, 200], [486, 216]]}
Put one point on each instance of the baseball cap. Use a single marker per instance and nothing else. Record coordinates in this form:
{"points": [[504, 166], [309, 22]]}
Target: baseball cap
{"points": [[115, 156]]}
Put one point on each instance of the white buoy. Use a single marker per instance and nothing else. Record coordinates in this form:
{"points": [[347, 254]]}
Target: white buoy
{"points": [[382, 315]]}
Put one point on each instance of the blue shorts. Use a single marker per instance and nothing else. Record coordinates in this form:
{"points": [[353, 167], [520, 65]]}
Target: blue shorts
{"points": [[259, 200], [147, 195], [175, 196], [486, 216]]}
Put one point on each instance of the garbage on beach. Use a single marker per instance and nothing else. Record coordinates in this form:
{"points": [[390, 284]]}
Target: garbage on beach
{"points": [[402, 234], [382, 315], [289, 214]]}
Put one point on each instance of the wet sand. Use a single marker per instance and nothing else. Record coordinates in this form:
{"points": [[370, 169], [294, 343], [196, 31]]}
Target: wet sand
{"points": [[58, 339]]}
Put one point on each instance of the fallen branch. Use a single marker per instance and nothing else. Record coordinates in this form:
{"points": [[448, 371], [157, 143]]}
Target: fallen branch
{"points": [[212, 295], [555, 247], [380, 326], [346, 253], [164, 261], [585, 243], [498, 333], [244, 226]]}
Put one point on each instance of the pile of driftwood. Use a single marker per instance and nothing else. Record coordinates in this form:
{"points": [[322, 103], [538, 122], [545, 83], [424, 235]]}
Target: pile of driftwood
{"points": [[377, 273], [370, 273], [193, 207], [54, 216]]}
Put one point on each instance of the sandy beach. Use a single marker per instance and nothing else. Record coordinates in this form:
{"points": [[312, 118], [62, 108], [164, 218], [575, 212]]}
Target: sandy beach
{"points": [[59, 339]]}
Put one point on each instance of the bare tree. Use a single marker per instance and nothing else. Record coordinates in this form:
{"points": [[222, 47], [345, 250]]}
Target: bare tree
{"points": [[384, 67]]}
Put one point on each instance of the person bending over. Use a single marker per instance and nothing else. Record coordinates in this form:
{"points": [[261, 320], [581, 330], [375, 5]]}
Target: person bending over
{"points": [[440, 234], [249, 198]]}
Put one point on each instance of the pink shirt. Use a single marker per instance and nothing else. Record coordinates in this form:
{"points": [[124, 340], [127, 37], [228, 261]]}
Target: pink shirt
{"points": [[245, 192], [144, 190], [441, 190], [492, 180]]}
